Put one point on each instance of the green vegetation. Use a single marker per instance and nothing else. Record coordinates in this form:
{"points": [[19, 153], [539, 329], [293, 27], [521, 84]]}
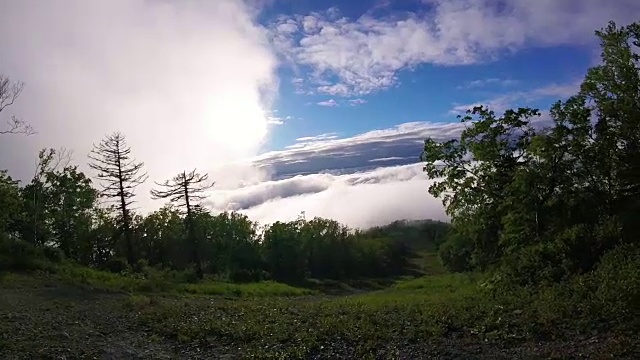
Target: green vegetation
{"points": [[540, 204], [542, 254]]}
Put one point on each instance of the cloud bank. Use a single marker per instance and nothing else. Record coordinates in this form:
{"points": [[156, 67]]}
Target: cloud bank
{"points": [[359, 200], [368, 179], [328, 153]]}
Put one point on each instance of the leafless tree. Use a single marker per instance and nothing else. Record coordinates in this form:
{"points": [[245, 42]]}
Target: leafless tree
{"points": [[9, 93], [186, 190], [119, 175]]}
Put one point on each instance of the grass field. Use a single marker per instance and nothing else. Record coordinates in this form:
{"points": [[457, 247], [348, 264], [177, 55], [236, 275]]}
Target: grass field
{"points": [[448, 315]]}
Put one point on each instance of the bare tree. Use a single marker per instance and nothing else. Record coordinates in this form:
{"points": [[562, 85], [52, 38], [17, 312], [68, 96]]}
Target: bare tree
{"points": [[120, 175], [9, 93], [186, 190]]}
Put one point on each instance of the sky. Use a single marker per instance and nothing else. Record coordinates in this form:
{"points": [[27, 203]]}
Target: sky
{"points": [[292, 106]]}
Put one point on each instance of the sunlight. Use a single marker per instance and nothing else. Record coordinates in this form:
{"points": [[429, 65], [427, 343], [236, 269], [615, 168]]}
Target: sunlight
{"points": [[236, 121]]}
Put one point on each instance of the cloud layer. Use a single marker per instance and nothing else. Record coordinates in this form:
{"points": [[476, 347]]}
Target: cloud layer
{"points": [[348, 57], [188, 83], [400, 145], [365, 199]]}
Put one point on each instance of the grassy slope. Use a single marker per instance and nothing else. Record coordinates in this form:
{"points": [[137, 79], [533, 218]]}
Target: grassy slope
{"points": [[443, 315]]}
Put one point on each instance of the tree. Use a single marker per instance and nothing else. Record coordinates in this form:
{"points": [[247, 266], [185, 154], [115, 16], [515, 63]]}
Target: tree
{"points": [[162, 237], [284, 255], [70, 201], [230, 245], [34, 195], [9, 93], [120, 174], [475, 172], [611, 91], [185, 190], [542, 204], [10, 203]]}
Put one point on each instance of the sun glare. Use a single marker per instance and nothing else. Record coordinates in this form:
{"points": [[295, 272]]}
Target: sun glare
{"points": [[237, 121]]}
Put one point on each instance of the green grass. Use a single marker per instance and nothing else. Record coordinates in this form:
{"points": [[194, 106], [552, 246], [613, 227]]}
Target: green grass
{"points": [[272, 320], [261, 289], [152, 281], [429, 263], [411, 313], [95, 279], [440, 283]]}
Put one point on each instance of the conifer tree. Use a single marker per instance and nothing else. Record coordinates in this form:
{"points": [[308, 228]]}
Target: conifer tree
{"points": [[119, 174]]}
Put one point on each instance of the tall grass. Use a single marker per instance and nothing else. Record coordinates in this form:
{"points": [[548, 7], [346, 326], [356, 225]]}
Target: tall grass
{"points": [[157, 281], [260, 289]]}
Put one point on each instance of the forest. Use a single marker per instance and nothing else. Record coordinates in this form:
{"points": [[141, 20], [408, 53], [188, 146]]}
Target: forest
{"points": [[59, 215], [543, 244]]}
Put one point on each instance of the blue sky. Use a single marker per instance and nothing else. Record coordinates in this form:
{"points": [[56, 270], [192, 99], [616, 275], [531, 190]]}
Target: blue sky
{"points": [[290, 105], [424, 91]]}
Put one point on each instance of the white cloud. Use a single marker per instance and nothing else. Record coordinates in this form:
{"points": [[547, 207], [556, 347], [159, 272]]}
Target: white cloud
{"points": [[488, 82], [521, 98], [328, 103], [188, 83], [364, 199], [274, 120], [335, 90], [321, 137], [390, 158], [364, 55], [356, 102], [399, 145], [277, 120]]}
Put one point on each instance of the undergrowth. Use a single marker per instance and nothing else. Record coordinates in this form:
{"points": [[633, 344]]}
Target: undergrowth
{"points": [[418, 311]]}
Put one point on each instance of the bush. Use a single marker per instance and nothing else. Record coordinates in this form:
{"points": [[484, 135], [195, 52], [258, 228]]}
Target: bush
{"points": [[189, 275], [615, 283], [53, 254], [117, 265], [18, 255], [534, 265], [140, 266], [246, 275], [455, 253]]}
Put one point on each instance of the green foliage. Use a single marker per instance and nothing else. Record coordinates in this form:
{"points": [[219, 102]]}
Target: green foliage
{"points": [[117, 265], [615, 285], [544, 204], [58, 212], [53, 254], [455, 253], [424, 235], [10, 204], [18, 255]]}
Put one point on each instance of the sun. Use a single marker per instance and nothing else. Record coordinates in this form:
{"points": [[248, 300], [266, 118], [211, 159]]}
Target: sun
{"points": [[236, 120]]}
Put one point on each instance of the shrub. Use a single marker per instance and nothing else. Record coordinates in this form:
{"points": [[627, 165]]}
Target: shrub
{"points": [[615, 283], [117, 265], [535, 264], [53, 254], [455, 253], [246, 275], [189, 275], [140, 266], [19, 255]]}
